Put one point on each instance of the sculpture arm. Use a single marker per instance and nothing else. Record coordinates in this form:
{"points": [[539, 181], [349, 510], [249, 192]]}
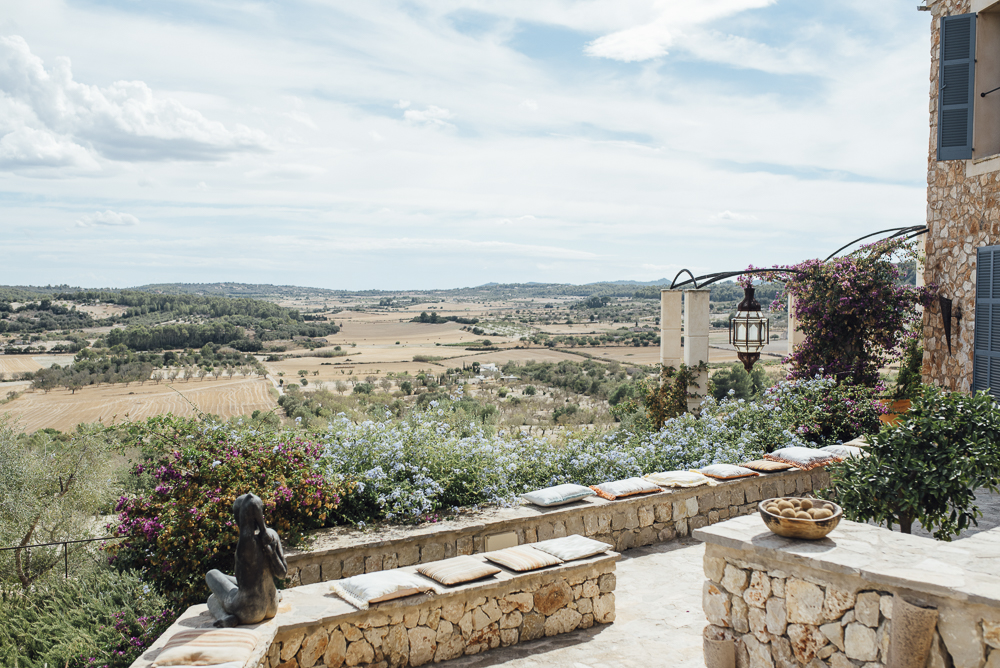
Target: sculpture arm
{"points": [[275, 555]]}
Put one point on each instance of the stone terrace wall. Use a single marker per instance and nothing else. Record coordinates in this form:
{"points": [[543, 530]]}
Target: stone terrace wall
{"points": [[314, 628], [623, 524], [484, 618], [828, 604], [963, 213]]}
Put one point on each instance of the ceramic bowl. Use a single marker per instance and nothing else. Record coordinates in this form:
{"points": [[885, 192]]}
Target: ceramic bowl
{"points": [[796, 527]]}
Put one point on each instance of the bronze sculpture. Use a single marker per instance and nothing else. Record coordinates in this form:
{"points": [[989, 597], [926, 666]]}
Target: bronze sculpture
{"points": [[251, 596]]}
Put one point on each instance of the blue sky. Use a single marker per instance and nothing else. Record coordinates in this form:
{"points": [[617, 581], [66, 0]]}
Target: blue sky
{"points": [[447, 143]]}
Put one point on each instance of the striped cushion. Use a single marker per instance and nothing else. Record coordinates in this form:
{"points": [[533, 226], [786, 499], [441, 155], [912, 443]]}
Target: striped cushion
{"points": [[522, 558], [361, 590], [572, 547], [207, 647], [621, 488], [457, 570]]}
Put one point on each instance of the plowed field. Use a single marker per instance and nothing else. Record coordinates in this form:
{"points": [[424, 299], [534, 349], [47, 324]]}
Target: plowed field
{"points": [[61, 410]]}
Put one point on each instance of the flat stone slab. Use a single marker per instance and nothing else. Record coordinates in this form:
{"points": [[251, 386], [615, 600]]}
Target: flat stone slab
{"points": [[967, 569]]}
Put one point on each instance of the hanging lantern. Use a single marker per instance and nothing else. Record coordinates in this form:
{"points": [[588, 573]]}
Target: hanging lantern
{"points": [[749, 330]]}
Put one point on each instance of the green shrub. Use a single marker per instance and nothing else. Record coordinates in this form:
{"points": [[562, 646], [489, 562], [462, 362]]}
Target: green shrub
{"points": [[364, 388], [184, 527], [100, 619], [908, 382], [735, 379], [927, 466]]}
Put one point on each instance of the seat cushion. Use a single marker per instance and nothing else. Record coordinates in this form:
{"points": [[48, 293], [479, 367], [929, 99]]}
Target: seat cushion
{"points": [[621, 488], [457, 570], [522, 558], [679, 479], [572, 547], [363, 590], [765, 466], [802, 458], [727, 471], [558, 495], [207, 647]]}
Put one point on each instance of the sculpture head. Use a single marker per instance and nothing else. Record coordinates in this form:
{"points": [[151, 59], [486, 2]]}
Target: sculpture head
{"points": [[248, 510]]}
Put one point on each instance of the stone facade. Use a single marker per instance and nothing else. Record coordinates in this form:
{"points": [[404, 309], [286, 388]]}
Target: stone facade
{"points": [[962, 215], [829, 604], [623, 524]]}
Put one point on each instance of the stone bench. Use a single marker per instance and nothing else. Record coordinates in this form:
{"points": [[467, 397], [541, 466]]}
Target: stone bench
{"points": [[315, 628], [623, 524]]}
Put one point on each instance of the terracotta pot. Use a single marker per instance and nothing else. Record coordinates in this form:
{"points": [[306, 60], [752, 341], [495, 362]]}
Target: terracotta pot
{"points": [[912, 633], [901, 406]]}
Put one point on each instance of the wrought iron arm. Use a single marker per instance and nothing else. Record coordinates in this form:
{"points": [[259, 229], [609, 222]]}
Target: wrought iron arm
{"points": [[908, 232]]}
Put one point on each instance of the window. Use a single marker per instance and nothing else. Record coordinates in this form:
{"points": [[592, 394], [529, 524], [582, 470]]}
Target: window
{"points": [[968, 79], [986, 364]]}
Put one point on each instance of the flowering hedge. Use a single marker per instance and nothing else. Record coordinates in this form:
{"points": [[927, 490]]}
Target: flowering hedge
{"points": [[856, 315], [184, 526]]}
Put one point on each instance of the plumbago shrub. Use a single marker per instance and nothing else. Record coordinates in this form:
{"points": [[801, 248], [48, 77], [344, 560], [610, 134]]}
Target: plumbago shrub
{"points": [[856, 315], [182, 524], [409, 469]]}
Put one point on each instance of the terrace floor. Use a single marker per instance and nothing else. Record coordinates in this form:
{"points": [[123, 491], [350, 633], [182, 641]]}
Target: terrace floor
{"points": [[659, 619]]}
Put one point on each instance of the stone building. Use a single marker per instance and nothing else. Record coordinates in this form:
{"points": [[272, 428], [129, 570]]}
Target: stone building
{"points": [[963, 185]]}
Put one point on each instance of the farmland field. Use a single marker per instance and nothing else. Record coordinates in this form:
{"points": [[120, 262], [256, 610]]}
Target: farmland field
{"points": [[61, 410]]}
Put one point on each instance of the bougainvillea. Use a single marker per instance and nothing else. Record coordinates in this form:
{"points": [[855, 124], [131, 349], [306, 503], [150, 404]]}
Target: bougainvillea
{"points": [[855, 313], [184, 526]]}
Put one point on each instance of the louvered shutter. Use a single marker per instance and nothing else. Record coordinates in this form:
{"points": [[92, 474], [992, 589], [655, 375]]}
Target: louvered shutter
{"points": [[956, 80], [986, 364]]}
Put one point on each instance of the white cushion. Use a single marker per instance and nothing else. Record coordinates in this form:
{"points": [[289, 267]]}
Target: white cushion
{"points": [[727, 471], [558, 495], [457, 570], [844, 451], [679, 479], [803, 458], [362, 590], [572, 547], [621, 488]]}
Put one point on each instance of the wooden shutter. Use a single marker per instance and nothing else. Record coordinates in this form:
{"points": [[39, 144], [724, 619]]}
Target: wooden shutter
{"points": [[956, 80], [986, 363]]}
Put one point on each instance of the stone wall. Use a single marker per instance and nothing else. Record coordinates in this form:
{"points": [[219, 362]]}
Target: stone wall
{"points": [[623, 524], [447, 628], [828, 604], [316, 629], [962, 215]]}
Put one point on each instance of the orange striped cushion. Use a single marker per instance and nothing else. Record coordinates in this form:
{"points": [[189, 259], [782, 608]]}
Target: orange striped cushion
{"points": [[207, 647], [522, 558]]}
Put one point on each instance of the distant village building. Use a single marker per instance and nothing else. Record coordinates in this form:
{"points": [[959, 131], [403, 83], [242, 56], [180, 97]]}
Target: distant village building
{"points": [[963, 195]]}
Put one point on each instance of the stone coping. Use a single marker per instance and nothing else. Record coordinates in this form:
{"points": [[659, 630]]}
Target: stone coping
{"points": [[966, 569], [309, 606], [326, 542]]}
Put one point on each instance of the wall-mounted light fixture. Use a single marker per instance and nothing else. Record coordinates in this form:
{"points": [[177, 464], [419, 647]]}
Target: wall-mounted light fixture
{"points": [[749, 330], [947, 312]]}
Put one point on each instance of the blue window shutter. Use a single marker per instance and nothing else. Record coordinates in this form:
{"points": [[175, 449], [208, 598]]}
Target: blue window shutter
{"points": [[956, 81], [986, 359]]}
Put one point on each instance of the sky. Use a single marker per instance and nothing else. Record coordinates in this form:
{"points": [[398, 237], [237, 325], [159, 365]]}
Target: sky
{"points": [[446, 143]]}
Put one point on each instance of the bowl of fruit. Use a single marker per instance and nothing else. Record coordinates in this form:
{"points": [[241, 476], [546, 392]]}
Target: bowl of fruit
{"points": [[795, 517]]}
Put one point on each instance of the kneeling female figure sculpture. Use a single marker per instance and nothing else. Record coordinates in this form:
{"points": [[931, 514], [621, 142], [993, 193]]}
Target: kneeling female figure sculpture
{"points": [[251, 596]]}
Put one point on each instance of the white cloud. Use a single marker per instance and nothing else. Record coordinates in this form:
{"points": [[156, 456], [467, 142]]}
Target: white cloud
{"points": [[670, 21], [63, 123], [434, 116], [108, 218], [730, 215], [530, 105], [287, 171]]}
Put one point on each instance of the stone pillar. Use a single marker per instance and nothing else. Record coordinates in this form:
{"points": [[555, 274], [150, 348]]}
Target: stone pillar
{"points": [[670, 328], [795, 335], [921, 257], [696, 326]]}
